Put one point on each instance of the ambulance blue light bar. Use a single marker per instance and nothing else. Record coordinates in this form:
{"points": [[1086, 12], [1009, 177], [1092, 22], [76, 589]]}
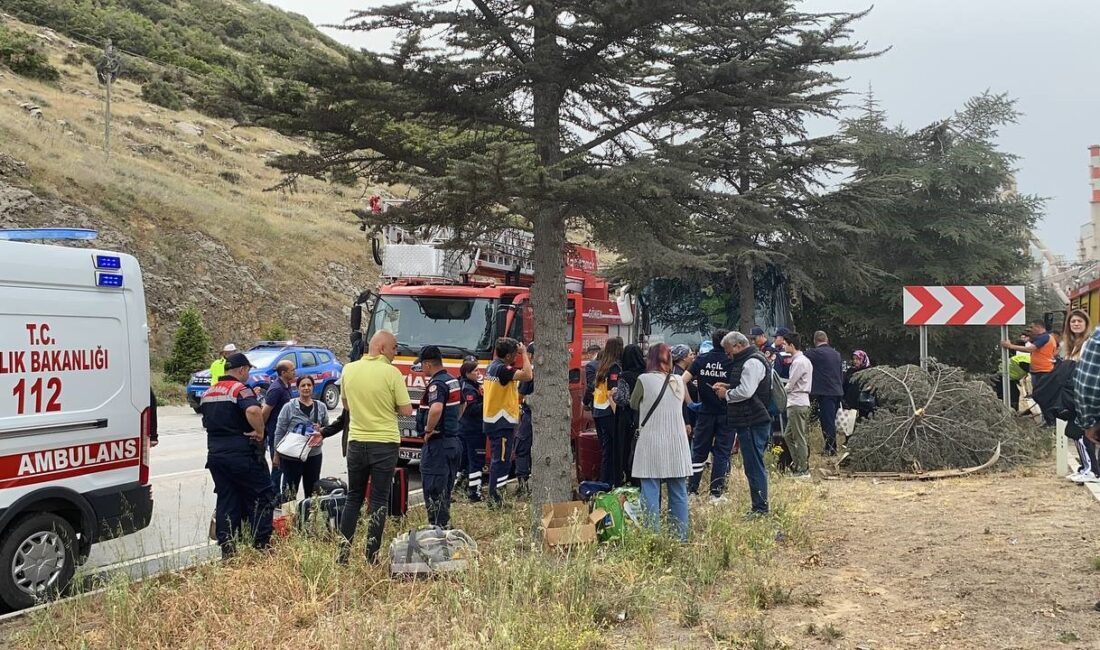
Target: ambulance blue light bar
{"points": [[111, 280], [32, 234], [108, 262]]}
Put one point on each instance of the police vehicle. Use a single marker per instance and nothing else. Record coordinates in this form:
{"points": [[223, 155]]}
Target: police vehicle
{"points": [[316, 362], [74, 409]]}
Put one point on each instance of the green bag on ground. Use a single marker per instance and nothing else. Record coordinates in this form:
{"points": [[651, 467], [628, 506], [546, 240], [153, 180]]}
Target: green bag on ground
{"points": [[623, 508]]}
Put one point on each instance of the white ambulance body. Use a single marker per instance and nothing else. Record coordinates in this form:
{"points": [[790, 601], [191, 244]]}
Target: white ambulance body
{"points": [[74, 411]]}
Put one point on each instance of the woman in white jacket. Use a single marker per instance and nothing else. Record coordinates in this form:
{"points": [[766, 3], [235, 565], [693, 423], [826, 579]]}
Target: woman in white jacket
{"points": [[303, 415], [663, 454]]}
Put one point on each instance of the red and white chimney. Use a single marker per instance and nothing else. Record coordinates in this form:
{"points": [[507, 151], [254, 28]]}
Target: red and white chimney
{"points": [[1094, 172]]}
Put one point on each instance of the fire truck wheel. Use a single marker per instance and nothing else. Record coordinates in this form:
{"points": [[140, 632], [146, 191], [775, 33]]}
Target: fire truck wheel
{"points": [[37, 559], [331, 395]]}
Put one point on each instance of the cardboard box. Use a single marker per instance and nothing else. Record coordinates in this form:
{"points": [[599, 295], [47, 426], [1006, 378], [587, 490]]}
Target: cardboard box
{"points": [[569, 523]]}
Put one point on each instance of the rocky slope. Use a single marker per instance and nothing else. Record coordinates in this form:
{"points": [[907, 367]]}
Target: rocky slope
{"points": [[188, 195]]}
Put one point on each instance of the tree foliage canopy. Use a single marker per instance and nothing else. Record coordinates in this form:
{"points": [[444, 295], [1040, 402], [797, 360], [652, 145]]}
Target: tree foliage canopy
{"points": [[943, 210], [598, 115]]}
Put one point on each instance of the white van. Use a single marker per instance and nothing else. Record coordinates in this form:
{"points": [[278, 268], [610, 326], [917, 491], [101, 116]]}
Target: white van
{"points": [[74, 411]]}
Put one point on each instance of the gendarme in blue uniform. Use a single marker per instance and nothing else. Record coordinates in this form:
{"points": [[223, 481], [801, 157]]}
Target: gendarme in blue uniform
{"points": [[222, 407], [241, 478], [442, 451]]}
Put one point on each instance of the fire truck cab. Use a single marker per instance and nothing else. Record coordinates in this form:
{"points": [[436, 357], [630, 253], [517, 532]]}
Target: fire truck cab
{"points": [[74, 411], [463, 302]]}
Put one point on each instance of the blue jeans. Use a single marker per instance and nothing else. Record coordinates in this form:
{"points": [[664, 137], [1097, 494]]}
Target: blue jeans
{"points": [[712, 435], [754, 441], [677, 504]]}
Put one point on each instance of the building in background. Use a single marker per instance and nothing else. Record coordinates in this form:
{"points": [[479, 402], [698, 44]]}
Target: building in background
{"points": [[1088, 245]]}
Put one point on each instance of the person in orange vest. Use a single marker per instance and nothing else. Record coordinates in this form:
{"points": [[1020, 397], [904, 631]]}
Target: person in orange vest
{"points": [[1043, 348]]}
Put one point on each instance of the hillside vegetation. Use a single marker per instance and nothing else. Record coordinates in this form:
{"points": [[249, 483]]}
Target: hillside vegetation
{"points": [[186, 193], [198, 44]]}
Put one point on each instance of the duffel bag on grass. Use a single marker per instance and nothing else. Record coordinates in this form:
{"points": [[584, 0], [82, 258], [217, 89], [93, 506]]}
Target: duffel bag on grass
{"points": [[429, 550]]}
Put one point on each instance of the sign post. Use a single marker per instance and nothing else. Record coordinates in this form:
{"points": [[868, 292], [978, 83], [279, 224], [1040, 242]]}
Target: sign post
{"points": [[957, 305]]}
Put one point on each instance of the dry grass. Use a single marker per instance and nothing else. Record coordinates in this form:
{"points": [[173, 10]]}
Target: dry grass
{"points": [[649, 592]]}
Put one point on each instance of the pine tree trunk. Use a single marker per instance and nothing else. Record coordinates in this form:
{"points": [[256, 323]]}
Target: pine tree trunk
{"points": [[552, 459], [746, 290]]}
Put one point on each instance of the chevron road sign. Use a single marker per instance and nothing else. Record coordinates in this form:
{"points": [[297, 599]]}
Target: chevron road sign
{"points": [[955, 305]]}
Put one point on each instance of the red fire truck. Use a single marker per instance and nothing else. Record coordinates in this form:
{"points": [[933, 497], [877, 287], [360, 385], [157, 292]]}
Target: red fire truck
{"points": [[463, 301]]}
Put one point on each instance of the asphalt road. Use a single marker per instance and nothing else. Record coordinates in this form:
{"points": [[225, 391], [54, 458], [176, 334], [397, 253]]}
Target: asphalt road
{"points": [[183, 495]]}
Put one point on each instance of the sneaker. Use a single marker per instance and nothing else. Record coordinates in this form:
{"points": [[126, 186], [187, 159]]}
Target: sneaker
{"points": [[800, 476], [1088, 478], [1075, 475], [717, 499]]}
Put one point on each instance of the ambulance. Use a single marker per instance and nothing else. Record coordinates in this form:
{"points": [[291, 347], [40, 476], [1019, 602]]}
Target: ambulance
{"points": [[74, 411]]}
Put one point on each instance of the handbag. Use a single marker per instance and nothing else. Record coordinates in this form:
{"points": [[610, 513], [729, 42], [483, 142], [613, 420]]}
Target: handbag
{"points": [[664, 387], [294, 445]]}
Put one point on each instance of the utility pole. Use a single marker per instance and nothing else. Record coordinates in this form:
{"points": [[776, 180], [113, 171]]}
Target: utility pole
{"points": [[107, 71]]}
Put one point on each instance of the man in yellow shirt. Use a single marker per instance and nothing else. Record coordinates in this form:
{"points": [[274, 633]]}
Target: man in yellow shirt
{"points": [[374, 394]]}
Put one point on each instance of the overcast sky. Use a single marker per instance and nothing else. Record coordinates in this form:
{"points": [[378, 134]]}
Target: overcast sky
{"points": [[1043, 54]]}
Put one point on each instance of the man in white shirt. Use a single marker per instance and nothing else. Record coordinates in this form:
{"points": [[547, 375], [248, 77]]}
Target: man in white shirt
{"points": [[798, 405]]}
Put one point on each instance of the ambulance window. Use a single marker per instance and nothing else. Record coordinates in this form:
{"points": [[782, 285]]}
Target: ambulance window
{"points": [[308, 359]]}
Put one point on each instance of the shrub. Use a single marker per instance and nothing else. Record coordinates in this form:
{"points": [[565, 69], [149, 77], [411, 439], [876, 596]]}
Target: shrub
{"points": [[190, 348], [275, 332], [25, 56], [162, 93]]}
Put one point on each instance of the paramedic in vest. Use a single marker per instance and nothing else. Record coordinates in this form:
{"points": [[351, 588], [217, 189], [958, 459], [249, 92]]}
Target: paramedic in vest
{"points": [[235, 457], [500, 408], [1043, 347], [375, 393], [747, 394], [712, 432], [277, 396], [217, 369], [827, 387], [438, 418]]}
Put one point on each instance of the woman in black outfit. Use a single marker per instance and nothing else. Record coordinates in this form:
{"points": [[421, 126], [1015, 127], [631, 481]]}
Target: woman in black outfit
{"points": [[626, 418]]}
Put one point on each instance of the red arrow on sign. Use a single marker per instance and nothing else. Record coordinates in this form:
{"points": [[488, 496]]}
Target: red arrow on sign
{"points": [[970, 305], [1012, 304], [928, 304]]}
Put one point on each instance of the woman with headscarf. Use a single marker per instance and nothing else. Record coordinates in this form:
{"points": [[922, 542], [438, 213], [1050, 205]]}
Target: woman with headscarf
{"points": [[626, 418], [854, 395]]}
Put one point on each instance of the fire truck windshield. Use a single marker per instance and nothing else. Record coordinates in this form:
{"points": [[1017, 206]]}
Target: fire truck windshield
{"points": [[460, 326]]}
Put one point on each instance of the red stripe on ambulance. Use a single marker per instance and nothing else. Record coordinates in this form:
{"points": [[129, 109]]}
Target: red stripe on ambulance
{"points": [[64, 462]]}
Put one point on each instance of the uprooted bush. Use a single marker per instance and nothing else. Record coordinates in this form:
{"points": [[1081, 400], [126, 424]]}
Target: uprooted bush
{"points": [[937, 419]]}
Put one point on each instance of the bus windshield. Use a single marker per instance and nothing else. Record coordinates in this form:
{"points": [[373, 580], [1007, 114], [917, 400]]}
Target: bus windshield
{"points": [[459, 326]]}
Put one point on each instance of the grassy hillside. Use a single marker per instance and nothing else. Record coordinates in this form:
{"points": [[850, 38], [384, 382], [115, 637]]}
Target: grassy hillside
{"points": [[187, 194], [199, 43]]}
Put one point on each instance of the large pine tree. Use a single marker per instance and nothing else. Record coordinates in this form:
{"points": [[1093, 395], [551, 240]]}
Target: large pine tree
{"points": [[549, 115], [946, 213]]}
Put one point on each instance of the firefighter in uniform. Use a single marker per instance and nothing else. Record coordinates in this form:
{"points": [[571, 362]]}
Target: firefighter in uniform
{"points": [[473, 438], [235, 457], [437, 421], [524, 436], [500, 408]]}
